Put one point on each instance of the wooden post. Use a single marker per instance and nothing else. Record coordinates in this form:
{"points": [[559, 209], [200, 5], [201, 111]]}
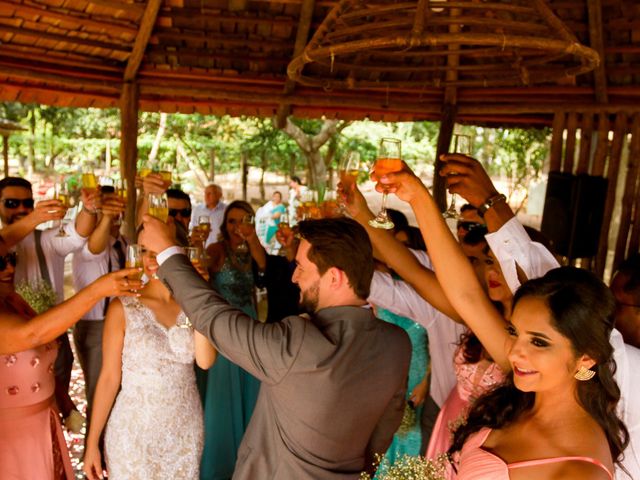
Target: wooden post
{"points": [[129, 150], [5, 154], [444, 140], [628, 198], [557, 130], [570, 149], [619, 137]]}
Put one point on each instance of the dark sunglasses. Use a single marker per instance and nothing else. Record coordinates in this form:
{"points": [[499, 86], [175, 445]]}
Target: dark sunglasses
{"points": [[185, 212], [9, 258], [467, 225], [15, 202]]}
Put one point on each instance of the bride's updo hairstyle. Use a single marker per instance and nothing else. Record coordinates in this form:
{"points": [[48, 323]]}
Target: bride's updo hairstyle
{"points": [[581, 309]]}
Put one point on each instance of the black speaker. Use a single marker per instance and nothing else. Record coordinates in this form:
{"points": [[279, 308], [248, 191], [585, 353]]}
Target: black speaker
{"points": [[573, 213]]}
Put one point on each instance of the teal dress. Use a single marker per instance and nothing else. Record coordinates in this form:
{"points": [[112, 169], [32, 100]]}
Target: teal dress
{"points": [[229, 392], [272, 225], [408, 438]]}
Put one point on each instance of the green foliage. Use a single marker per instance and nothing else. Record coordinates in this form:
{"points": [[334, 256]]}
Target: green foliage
{"points": [[64, 139]]}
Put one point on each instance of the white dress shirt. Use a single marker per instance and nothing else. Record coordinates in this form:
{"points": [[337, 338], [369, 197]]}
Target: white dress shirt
{"points": [[54, 249], [88, 267], [215, 215]]}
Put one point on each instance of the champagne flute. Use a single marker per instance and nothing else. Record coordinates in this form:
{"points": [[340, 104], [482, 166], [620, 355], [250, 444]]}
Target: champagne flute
{"points": [[121, 192], [61, 193], [134, 260], [244, 229], [389, 161], [143, 169], [159, 206], [196, 257], [89, 180], [204, 224], [348, 170], [462, 145], [166, 175]]}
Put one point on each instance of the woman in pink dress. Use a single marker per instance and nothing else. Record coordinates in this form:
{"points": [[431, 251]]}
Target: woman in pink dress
{"points": [[32, 445], [476, 372], [555, 416]]}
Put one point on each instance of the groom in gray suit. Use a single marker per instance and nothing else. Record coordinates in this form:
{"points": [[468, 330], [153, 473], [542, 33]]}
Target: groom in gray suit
{"points": [[333, 385]]}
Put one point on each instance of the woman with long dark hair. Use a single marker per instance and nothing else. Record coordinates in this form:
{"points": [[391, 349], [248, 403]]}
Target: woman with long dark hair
{"points": [[556, 416]]}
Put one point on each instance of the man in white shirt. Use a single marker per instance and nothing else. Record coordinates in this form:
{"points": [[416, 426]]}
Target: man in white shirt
{"points": [[41, 255], [213, 207]]}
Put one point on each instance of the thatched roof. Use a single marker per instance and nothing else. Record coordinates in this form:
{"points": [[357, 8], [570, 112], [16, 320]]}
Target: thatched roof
{"points": [[231, 57]]}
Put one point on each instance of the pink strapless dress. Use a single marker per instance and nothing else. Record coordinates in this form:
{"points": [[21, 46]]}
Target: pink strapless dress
{"points": [[473, 379], [32, 444], [479, 464]]}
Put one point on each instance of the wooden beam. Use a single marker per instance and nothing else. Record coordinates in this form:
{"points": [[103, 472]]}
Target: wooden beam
{"points": [[62, 79], [67, 39], [234, 40], [237, 5], [596, 41], [123, 6], [620, 130], [447, 124], [302, 36], [209, 15], [144, 34], [38, 68], [44, 56], [129, 101], [66, 15]]}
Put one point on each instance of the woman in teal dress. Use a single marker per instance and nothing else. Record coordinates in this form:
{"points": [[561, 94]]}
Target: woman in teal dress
{"points": [[229, 393], [408, 438], [277, 210]]}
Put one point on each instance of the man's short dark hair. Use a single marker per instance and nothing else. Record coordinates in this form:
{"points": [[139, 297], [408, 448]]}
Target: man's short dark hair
{"points": [[296, 179], [344, 244], [630, 270], [178, 194], [14, 182]]}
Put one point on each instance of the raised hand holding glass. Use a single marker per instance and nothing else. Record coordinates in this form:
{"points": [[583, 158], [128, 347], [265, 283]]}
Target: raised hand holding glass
{"points": [[389, 161]]}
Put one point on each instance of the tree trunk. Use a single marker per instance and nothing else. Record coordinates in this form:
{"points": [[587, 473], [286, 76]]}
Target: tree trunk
{"points": [[153, 154], [310, 146], [263, 166], [292, 164], [244, 172]]}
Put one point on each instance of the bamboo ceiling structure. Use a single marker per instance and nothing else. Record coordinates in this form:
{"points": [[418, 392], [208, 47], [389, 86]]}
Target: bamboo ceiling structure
{"points": [[243, 57], [231, 57]]}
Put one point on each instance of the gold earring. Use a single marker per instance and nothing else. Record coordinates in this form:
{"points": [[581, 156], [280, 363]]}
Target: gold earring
{"points": [[584, 374]]}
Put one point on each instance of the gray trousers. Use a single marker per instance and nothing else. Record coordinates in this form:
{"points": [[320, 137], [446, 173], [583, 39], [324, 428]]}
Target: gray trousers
{"points": [[87, 338]]}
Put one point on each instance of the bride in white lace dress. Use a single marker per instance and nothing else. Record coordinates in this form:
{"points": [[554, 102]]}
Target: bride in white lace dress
{"points": [[155, 429]]}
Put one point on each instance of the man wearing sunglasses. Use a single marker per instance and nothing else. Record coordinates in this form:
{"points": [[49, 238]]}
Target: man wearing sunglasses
{"points": [[41, 255]]}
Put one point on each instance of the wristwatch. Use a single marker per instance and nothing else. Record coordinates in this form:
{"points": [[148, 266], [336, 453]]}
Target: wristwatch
{"points": [[490, 202]]}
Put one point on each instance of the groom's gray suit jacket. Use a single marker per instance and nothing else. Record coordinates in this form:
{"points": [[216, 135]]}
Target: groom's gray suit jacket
{"points": [[333, 387]]}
